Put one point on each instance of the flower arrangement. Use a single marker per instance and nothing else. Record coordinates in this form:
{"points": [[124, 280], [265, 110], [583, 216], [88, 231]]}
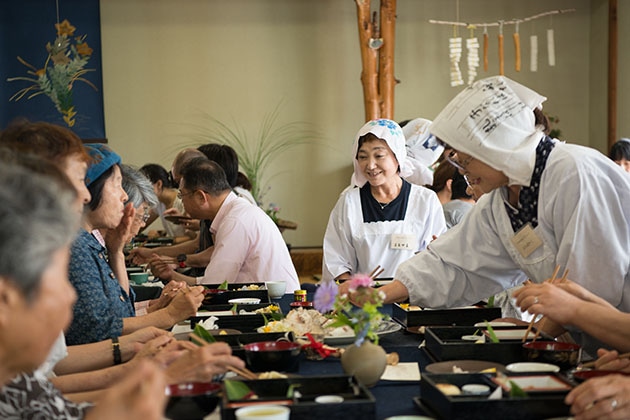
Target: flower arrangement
{"points": [[69, 56], [364, 320], [272, 211]]}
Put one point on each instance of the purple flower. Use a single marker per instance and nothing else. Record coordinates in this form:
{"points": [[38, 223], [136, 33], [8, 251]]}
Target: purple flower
{"points": [[359, 280], [324, 299]]}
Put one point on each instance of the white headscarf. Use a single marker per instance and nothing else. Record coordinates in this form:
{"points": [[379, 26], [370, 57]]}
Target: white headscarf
{"points": [[493, 121], [422, 150], [392, 134]]}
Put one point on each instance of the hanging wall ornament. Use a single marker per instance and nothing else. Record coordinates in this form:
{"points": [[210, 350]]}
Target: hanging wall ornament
{"points": [[472, 56], [517, 48], [533, 53], [551, 48], [485, 48], [455, 55], [501, 68]]}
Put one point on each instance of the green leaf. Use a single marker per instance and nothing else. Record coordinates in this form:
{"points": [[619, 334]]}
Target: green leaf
{"points": [[236, 390], [223, 286], [203, 333], [516, 391], [291, 390], [493, 336], [234, 309], [490, 303]]}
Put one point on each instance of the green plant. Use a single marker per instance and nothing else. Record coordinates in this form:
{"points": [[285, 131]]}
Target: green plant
{"points": [[255, 154], [69, 56]]}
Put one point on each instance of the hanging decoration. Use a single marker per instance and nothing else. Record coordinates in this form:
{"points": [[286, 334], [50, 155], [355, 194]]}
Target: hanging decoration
{"points": [[455, 44], [501, 62], [551, 48], [485, 47], [472, 57], [533, 53], [517, 48], [67, 58]]}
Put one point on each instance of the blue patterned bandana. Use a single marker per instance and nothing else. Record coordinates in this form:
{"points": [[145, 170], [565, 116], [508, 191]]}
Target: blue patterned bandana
{"points": [[527, 211]]}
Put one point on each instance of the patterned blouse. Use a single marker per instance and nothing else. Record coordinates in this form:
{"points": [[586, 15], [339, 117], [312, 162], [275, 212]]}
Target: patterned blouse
{"points": [[101, 302], [33, 397]]}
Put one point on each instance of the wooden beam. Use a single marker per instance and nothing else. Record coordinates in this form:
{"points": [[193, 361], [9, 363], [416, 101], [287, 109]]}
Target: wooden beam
{"points": [[612, 72], [369, 73]]}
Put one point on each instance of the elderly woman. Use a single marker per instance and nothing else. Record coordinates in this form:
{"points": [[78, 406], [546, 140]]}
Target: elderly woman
{"points": [[386, 220], [105, 307], [37, 225], [546, 204]]}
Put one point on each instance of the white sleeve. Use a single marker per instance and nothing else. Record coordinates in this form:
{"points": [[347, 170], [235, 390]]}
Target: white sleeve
{"points": [[339, 255]]}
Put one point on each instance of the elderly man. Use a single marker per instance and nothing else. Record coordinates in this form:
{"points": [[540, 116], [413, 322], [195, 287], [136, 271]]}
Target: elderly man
{"points": [[248, 246]]}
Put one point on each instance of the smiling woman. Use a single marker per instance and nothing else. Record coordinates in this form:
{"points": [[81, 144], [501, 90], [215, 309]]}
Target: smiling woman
{"points": [[385, 220]]}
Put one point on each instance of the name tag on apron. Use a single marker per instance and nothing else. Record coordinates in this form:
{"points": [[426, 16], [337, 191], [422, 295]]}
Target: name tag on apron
{"points": [[526, 241], [401, 241]]}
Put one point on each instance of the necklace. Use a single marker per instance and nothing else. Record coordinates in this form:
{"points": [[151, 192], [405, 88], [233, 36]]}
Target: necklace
{"points": [[382, 206]]}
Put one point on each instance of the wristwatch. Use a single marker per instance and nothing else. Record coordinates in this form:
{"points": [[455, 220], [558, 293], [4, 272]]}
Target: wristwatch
{"points": [[181, 260]]}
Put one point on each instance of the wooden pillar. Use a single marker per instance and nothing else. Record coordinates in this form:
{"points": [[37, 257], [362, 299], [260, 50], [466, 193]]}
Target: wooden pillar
{"points": [[612, 72], [376, 42]]}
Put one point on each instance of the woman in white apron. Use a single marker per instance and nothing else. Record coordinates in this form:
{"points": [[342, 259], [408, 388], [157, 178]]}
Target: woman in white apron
{"points": [[385, 220], [546, 203]]}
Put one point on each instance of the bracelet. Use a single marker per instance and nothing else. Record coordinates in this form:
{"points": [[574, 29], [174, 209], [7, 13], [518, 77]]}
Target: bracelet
{"points": [[116, 351]]}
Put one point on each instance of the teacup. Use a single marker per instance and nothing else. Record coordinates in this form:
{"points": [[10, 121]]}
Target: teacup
{"points": [[139, 278], [276, 289]]}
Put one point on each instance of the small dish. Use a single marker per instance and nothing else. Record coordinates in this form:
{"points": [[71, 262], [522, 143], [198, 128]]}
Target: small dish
{"points": [[244, 301], [495, 324], [472, 337], [507, 335], [329, 399], [475, 389], [301, 304], [535, 383], [531, 367]]}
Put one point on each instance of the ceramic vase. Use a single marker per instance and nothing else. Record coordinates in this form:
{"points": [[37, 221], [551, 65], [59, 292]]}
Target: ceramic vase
{"points": [[366, 362]]}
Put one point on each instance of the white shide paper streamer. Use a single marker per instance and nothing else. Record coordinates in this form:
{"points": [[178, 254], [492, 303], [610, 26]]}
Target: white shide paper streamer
{"points": [[472, 47], [551, 48], [455, 55], [533, 53]]}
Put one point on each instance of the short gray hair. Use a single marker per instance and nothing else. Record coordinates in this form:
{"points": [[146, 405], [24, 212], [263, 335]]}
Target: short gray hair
{"points": [[138, 187], [36, 220]]}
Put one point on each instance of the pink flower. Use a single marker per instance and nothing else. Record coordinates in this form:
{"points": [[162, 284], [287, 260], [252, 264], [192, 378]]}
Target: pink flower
{"points": [[359, 280]]}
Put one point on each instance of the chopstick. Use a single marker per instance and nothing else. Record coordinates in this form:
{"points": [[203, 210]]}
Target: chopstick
{"points": [[592, 364], [377, 274], [373, 273], [541, 324], [245, 373], [531, 323]]}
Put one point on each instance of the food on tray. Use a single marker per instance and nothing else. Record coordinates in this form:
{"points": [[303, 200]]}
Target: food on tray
{"points": [[302, 321], [448, 389], [271, 375], [251, 287]]}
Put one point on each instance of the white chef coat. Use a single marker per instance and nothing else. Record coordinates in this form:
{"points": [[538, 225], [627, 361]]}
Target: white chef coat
{"points": [[350, 245], [583, 221]]}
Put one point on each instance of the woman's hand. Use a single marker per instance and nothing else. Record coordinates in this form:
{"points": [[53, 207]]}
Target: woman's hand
{"points": [[185, 303], [202, 363], [139, 395], [548, 299], [162, 268], [131, 344], [115, 239], [606, 397], [140, 255], [609, 360], [168, 292]]}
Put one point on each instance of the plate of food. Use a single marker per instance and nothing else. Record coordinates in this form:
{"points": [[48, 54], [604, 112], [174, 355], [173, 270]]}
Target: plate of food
{"points": [[345, 335]]}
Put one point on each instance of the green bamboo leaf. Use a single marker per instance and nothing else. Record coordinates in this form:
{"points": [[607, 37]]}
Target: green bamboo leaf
{"points": [[493, 336], [203, 333], [236, 390]]}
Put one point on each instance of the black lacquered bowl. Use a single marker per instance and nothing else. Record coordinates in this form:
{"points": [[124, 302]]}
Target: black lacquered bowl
{"points": [[282, 356], [564, 355], [192, 400]]}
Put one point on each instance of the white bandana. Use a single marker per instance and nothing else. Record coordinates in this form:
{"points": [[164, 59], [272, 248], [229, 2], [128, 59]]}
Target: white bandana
{"points": [[392, 134], [422, 150], [493, 121]]}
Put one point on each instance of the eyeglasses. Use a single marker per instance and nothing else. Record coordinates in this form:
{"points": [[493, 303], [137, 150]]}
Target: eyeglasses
{"points": [[456, 163], [143, 217], [180, 194]]}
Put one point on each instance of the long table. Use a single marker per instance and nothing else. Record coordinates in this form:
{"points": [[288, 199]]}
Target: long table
{"points": [[392, 397]]}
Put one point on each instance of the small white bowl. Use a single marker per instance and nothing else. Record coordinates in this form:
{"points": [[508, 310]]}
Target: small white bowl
{"points": [[475, 389], [244, 301], [532, 367], [329, 399], [276, 289]]}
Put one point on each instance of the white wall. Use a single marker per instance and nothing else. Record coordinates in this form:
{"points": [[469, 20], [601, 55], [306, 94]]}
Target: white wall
{"points": [[166, 61]]}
